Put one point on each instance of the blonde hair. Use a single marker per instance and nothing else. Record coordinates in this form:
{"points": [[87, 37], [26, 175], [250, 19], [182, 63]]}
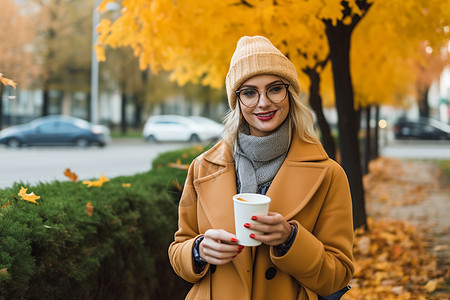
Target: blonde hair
{"points": [[300, 119]]}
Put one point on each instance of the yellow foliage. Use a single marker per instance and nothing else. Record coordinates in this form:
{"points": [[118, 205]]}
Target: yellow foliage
{"points": [[31, 197], [179, 165], [89, 210], [394, 259], [102, 6], [333, 11], [97, 183], [7, 81], [71, 175], [3, 206], [390, 270], [195, 40]]}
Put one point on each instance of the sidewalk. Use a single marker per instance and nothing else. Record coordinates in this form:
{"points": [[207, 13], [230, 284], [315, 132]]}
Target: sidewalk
{"points": [[412, 191], [417, 193]]}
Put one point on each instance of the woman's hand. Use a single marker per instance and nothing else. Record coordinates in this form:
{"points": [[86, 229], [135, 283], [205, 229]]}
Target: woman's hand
{"points": [[219, 247], [276, 230]]}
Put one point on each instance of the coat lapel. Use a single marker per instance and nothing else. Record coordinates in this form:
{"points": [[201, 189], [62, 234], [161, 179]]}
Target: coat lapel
{"points": [[298, 178], [215, 197]]}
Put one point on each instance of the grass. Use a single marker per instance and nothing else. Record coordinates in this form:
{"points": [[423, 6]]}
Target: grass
{"points": [[444, 165]]}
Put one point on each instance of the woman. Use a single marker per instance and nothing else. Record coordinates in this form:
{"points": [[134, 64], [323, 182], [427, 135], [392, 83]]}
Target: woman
{"points": [[269, 147]]}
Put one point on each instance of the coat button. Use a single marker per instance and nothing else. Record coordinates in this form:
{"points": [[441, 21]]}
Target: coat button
{"points": [[213, 268], [270, 273]]}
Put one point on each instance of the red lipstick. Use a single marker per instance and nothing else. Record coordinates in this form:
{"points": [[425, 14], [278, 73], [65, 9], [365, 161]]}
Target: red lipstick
{"points": [[266, 116]]}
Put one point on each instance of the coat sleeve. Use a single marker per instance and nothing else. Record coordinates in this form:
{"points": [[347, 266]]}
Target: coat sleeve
{"points": [[180, 251], [322, 260]]}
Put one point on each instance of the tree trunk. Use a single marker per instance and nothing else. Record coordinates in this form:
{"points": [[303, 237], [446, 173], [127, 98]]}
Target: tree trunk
{"points": [[315, 101], [358, 119], [207, 105], [138, 111], [190, 106], [339, 44], [123, 118], [46, 100], [376, 135], [367, 142], [424, 107]]}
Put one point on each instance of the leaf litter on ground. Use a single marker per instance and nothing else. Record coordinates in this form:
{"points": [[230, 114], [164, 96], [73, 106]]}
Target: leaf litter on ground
{"points": [[397, 258]]}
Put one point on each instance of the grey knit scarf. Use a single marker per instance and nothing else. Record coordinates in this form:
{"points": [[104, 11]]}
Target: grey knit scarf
{"points": [[257, 159]]}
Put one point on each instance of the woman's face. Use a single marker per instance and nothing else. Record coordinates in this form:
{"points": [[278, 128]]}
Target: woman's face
{"points": [[266, 116]]}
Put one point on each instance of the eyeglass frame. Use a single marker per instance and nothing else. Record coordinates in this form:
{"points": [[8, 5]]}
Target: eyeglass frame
{"points": [[286, 85]]}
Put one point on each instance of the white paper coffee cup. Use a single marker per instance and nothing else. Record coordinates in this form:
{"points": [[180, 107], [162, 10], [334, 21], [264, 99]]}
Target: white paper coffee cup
{"points": [[254, 204]]}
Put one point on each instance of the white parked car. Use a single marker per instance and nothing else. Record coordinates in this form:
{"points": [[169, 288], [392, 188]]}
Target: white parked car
{"points": [[215, 129], [165, 128]]}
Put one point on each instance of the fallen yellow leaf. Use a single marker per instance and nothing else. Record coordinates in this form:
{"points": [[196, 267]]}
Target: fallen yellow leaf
{"points": [[97, 183], [71, 175], [89, 210], [28, 197], [431, 285], [126, 185], [178, 165], [9, 203]]}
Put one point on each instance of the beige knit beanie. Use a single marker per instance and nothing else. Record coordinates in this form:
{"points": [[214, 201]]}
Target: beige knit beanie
{"points": [[257, 56]]}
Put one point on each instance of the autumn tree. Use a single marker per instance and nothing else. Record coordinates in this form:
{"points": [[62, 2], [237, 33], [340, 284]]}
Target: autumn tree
{"points": [[63, 46], [429, 67], [15, 58], [196, 40], [386, 73], [4, 82], [122, 74]]}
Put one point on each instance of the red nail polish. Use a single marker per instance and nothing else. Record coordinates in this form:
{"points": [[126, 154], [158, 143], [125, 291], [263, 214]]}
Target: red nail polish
{"points": [[252, 235], [254, 218], [240, 247], [247, 225], [233, 240]]}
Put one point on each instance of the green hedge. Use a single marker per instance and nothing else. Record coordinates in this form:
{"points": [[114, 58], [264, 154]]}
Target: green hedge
{"points": [[55, 250]]}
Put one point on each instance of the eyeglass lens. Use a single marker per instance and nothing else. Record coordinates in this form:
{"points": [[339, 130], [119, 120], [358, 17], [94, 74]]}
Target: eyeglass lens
{"points": [[250, 96]]}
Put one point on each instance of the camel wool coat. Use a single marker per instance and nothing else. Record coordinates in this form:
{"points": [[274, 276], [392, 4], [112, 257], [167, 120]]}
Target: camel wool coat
{"points": [[310, 190]]}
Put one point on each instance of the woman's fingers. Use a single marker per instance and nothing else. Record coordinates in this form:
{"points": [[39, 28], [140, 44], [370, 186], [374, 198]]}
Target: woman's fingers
{"points": [[272, 218], [220, 255], [219, 246], [275, 229], [221, 235], [273, 239]]}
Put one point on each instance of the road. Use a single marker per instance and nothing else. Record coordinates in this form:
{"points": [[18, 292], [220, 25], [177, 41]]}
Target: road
{"points": [[32, 165], [417, 149], [43, 164]]}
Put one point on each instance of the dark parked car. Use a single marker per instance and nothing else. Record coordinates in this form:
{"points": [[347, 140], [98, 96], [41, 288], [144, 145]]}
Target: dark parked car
{"points": [[423, 129], [56, 130]]}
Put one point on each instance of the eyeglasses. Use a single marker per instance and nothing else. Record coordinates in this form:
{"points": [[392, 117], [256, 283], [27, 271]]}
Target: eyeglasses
{"points": [[275, 93]]}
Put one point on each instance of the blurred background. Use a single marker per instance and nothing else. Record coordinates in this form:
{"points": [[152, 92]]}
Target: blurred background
{"points": [[47, 48], [372, 72]]}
